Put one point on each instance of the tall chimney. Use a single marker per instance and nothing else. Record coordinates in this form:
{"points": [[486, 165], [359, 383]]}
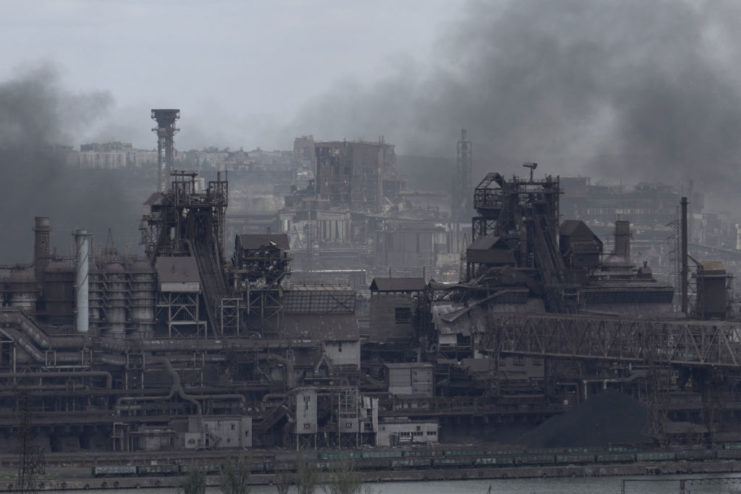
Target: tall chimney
{"points": [[165, 144], [82, 241], [622, 239], [41, 228], [685, 264]]}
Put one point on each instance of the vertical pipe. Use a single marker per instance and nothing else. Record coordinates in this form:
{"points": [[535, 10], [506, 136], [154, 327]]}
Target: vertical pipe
{"points": [[82, 241], [684, 254], [41, 229]]}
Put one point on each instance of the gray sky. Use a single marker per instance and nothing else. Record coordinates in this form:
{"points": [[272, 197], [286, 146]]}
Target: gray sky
{"points": [[235, 68], [629, 90]]}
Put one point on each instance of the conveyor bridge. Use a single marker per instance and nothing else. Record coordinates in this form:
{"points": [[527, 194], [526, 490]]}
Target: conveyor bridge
{"points": [[676, 342]]}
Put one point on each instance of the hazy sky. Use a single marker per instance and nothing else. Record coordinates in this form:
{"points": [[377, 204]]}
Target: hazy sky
{"points": [[629, 90], [234, 68]]}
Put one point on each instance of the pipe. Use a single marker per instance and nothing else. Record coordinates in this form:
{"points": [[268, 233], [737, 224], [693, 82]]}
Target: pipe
{"points": [[685, 267], [82, 240], [42, 229], [108, 376]]}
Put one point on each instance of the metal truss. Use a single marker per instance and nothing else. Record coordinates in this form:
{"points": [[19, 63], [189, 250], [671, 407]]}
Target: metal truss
{"points": [[691, 343]]}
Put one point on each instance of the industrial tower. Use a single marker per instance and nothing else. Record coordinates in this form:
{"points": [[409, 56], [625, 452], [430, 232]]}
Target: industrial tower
{"points": [[165, 144]]}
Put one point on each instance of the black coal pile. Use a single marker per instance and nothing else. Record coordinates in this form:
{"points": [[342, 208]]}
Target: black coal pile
{"points": [[605, 419]]}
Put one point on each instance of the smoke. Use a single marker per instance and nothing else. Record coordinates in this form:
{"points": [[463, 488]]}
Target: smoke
{"points": [[630, 90], [36, 115]]}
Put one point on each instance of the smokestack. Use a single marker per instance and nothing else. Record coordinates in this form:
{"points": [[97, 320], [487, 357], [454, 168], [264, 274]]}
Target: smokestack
{"points": [[165, 144], [82, 241], [685, 265], [622, 239], [41, 228]]}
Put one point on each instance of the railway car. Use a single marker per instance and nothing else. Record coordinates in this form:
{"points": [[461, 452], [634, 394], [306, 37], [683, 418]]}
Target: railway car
{"points": [[728, 454], [535, 459], [494, 460], [389, 453], [574, 458], [414, 462], [615, 458], [159, 469], [114, 470], [656, 456], [696, 454], [453, 461]]}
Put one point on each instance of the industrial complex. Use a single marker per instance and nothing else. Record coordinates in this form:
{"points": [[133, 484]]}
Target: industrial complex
{"points": [[360, 314]]}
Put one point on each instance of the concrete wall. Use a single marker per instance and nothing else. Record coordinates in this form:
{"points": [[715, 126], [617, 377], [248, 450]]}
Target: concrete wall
{"points": [[392, 434], [411, 379], [343, 352], [306, 417], [386, 321], [218, 433]]}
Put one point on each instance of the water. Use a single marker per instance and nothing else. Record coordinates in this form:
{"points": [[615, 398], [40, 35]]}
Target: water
{"points": [[664, 484]]}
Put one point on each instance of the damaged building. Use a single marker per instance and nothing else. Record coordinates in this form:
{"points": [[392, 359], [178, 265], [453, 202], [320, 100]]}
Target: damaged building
{"points": [[186, 348]]}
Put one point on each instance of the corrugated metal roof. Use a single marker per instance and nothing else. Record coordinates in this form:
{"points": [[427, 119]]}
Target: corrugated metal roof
{"points": [[252, 241], [318, 301], [397, 284], [181, 269]]}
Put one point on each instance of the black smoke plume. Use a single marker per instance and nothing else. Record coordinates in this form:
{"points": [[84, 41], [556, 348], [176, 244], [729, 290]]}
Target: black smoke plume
{"points": [[37, 118], [633, 90]]}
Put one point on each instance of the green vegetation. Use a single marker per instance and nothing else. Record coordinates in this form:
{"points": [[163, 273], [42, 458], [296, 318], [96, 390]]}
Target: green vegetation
{"points": [[236, 477], [307, 477], [344, 479], [195, 483]]}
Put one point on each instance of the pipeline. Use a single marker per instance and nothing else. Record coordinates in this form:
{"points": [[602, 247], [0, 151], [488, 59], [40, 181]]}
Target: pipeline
{"points": [[41, 375]]}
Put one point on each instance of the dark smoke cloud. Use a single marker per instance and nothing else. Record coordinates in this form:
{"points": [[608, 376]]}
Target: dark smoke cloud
{"points": [[36, 116], [631, 90]]}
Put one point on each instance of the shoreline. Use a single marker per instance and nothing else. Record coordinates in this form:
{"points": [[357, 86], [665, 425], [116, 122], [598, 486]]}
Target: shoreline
{"points": [[65, 481]]}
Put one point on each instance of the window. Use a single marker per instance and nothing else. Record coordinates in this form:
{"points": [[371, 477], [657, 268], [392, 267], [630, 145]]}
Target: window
{"points": [[402, 315]]}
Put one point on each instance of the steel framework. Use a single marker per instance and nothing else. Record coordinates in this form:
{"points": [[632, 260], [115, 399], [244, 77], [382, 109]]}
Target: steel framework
{"points": [[687, 343]]}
